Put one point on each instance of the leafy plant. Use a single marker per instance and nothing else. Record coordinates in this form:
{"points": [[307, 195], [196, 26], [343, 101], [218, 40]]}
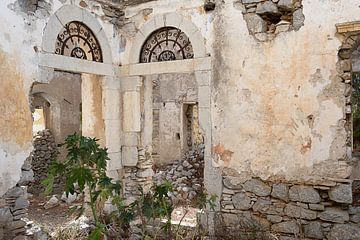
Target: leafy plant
{"points": [[85, 169]]}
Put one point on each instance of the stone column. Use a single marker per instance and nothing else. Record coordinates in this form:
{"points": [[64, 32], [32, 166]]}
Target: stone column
{"points": [[112, 121], [136, 161], [212, 175], [91, 98]]}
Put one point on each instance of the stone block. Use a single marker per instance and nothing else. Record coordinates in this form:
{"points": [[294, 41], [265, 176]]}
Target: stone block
{"points": [[113, 174], [115, 161], [258, 187], [286, 4], [267, 8], [280, 191], [290, 227], [265, 206], [355, 218], [111, 104], [15, 225], [131, 111], [317, 207], [129, 156], [112, 135], [26, 177], [345, 65], [344, 232], [172, 19], [341, 193], [298, 212], [354, 209], [334, 215], [305, 194], [147, 173], [53, 202], [313, 230], [130, 139], [21, 203], [14, 192], [251, 1], [255, 23], [5, 216], [298, 19], [274, 218], [230, 219], [241, 201]]}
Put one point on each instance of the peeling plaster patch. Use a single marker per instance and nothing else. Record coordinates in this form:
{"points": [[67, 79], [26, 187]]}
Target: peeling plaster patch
{"points": [[316, 78], [223, 154], [306, 146], [338, 145], [334, 91]]}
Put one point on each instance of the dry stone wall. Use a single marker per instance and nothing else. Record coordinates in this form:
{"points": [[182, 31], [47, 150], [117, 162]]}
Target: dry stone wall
{"points": [[14, 204], [254, 209], [138, 176], [45, 150]]}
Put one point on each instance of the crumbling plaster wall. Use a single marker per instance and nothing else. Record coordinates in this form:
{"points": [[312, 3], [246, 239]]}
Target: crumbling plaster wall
{"points": [[278, 105], [21, 39]]}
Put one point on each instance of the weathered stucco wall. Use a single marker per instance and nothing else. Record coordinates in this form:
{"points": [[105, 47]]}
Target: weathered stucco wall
{"points": [[278, 105], [15, 120], [21, 39]]}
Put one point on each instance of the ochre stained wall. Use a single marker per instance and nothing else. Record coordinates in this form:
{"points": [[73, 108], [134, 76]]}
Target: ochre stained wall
{"points": [[15, 122]]}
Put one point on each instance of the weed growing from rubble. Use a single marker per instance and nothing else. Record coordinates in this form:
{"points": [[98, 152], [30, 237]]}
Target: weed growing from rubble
{"points": [[85, 168]]}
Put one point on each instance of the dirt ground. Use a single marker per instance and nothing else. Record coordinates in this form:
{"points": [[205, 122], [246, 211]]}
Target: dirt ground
{"points": [[53, 219]]}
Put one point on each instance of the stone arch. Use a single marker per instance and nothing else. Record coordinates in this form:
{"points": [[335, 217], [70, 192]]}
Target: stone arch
{"points": [[168, 20], [70, 13]]}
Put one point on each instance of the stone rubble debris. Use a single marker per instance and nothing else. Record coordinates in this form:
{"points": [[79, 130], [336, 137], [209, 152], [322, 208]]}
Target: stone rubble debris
{"points": [[187, 175]]}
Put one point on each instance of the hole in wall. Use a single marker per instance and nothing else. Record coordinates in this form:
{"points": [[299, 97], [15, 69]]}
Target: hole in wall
{"points": [[266, 19]]}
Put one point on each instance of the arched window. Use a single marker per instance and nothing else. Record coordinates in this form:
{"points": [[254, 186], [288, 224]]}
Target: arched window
{"points": [[78, 41], [166, 44]]}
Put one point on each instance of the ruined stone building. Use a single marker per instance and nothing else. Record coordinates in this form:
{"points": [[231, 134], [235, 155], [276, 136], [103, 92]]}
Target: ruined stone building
{"points": [[264, 86]]}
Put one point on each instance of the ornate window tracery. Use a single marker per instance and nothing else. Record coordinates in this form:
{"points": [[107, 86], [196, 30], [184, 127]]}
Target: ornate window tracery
{"points": [[166, 44], [78, 41]]}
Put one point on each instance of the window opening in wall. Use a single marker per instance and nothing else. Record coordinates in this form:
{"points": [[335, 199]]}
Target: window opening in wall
{"points": [[78, 41], [38, 120], [166, 44]]}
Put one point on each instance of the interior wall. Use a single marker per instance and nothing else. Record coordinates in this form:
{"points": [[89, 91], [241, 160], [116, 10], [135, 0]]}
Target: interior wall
{"points": [[170, 92], [64, 93]]}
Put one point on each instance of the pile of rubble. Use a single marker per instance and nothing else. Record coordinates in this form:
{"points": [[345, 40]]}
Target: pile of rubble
{"points": [[187, 176]]}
